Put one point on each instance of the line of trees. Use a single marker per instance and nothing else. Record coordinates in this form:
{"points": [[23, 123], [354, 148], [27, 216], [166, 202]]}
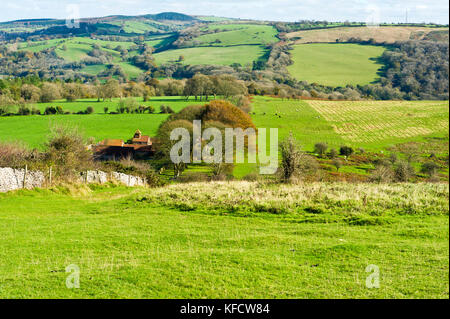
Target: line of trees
{"points": [[18, 92]]}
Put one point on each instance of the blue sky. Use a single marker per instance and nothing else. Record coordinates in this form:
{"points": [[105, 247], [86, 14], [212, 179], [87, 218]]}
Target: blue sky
{"points": [[280, 10]]}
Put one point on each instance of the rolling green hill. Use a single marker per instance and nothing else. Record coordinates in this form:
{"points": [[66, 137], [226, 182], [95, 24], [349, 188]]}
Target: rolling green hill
{"points": [[224, 44]]}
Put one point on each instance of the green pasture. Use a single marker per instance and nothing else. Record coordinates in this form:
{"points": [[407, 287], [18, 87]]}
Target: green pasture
{"points": [[239, 34], [243, 54], [159, 41], [94, 69], [37, 46], [295, 116], [136, 26], [34, 130], [336, 64]]}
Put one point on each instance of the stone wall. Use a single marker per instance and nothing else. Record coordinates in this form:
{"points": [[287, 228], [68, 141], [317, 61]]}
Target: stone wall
{"points": [[100, 177], [12, 179]]}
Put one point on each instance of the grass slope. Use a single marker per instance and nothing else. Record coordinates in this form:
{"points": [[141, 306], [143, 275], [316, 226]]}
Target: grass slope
{"points": [[127, 246], [213, 55], [139, 27], [306, 124], [238, 34], [335, 64]]}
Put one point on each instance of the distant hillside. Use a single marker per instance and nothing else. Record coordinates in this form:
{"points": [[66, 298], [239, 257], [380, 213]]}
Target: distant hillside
{"points": [[172, 16], [110, 25]]}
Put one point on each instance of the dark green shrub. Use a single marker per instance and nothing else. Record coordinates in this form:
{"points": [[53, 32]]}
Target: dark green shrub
{"points": [[50, 110], [320, 148], [346, 151], [430, 168], [403, 171]]}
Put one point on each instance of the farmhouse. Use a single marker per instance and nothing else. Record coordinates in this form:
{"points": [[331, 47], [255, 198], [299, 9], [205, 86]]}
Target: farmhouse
{"points": [[139, 147]]}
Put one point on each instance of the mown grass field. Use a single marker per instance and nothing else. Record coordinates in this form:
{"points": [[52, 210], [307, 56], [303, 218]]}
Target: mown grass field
{"points": [[336, 64], [375, 124], [243, 54], [306, 241]]}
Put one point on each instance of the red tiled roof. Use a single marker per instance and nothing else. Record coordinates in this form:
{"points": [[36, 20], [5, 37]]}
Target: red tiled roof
{"points": [[142, 139], [112, 142]]}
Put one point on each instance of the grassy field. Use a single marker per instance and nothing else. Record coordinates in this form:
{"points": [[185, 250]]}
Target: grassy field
{"points": [[336, 123], [94, 69], [242, 54], [238, 34], [353, 122], [307, 241], [335, 64], [159, 40], [139, 27], [293, 116], [74, 51], [381, 34], [33, 130]]}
